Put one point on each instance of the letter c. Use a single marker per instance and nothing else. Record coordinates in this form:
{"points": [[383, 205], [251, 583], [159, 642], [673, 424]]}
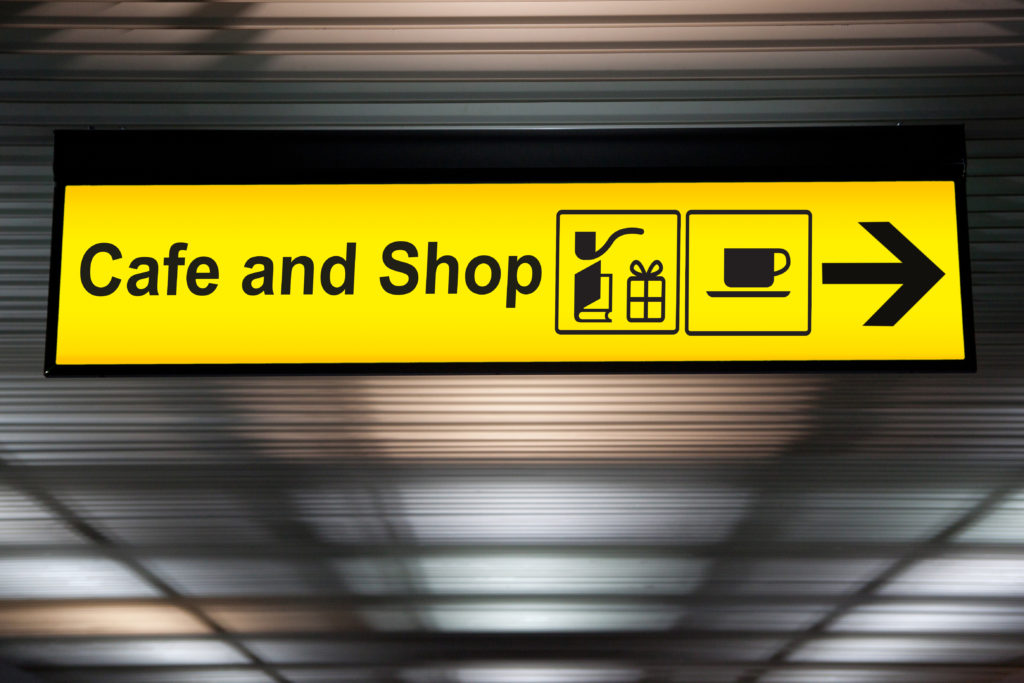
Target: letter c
{"points": [[90, 254]]}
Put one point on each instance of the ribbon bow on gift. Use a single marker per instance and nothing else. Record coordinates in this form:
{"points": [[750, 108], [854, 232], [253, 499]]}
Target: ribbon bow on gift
{"points": [[652, 272]]}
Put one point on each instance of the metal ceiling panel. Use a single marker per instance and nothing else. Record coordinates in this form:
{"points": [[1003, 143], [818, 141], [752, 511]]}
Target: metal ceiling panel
{"points": [[763, 528]]}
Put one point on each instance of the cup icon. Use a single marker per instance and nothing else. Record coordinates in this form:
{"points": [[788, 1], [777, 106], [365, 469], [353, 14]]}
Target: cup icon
{"points": [[753, 267]]}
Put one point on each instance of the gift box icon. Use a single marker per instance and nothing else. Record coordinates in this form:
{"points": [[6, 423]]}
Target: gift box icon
{"points": [[645, 293]]}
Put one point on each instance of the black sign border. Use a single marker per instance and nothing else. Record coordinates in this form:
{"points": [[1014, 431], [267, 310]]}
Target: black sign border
{"points": [[196, 157]]}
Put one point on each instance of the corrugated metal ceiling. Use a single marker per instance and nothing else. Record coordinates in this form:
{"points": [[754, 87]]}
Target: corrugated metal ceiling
{"points": [[770, 528]]}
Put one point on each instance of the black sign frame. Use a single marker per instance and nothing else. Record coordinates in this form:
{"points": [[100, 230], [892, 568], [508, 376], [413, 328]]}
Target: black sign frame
{"points": [[197, 157]]}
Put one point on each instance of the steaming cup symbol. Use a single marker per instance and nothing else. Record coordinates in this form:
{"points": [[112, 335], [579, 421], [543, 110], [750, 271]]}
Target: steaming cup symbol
{"points": [[753, 267]]}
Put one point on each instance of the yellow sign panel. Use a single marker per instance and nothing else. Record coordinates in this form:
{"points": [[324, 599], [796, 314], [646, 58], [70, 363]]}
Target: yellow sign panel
{"points": [[514, 272]]}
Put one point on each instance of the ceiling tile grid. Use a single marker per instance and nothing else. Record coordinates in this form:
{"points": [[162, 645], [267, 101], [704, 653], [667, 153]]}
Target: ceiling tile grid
{"points": [[762, 529]]}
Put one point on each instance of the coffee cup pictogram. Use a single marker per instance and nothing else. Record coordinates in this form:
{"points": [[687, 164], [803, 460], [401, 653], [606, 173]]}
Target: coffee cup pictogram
{"points": [[753, 267]]}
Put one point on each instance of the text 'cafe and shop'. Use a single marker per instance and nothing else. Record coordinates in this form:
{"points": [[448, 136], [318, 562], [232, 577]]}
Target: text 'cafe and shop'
{"points": [[378, 268]]}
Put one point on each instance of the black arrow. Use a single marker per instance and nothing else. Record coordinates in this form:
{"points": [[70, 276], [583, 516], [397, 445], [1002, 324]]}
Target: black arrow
{"points": [[914, 271]]}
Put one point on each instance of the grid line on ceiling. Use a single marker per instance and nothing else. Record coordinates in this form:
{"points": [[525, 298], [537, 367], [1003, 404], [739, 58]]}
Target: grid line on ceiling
{"points": [[220, 486], [12, 474]]}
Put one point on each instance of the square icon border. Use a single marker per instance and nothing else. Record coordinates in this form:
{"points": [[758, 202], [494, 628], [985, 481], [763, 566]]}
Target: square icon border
{"points": [[606, 212], [750, 333]]}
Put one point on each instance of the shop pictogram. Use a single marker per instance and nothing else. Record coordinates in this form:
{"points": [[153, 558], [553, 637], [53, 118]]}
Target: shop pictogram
{"points": [[617, 272], [592, 296]]}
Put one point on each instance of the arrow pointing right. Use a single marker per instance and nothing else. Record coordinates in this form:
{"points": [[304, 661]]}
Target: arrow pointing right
{"points": [[914, 271]]}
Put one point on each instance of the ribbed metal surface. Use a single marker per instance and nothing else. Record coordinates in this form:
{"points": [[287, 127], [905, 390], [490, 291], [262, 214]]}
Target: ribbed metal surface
{"points": [[770, 528]]}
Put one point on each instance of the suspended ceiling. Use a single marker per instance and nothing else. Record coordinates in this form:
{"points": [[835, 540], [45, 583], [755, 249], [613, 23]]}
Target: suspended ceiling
{"points": [[769, 528]]}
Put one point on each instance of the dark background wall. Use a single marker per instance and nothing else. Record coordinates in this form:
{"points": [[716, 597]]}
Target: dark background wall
{"points": [[780, 528]]}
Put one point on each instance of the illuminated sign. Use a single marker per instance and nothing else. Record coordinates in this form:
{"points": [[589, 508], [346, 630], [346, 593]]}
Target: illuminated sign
{"points": [[440, 267]]}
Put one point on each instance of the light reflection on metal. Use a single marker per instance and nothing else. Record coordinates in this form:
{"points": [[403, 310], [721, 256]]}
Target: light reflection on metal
{"points": [[852, 469]]}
